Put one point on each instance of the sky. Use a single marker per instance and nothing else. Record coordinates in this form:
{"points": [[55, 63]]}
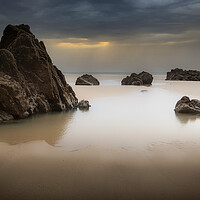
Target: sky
{"points": [[112, 36]]}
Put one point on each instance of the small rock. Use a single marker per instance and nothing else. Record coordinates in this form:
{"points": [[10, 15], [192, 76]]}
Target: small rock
{"points": [[185, 105], [87, 79], [84, 105], [144, 78], [183, 75]]}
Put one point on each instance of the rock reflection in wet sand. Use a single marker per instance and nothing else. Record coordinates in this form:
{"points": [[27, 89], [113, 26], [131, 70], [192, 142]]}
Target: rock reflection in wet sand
{"points": [[48, 127], [185, 118]]}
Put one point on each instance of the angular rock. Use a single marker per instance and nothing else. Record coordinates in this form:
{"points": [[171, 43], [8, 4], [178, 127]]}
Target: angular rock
{"points": [[87, 79], [29, 82], [185, 105], [183, 75], [144, 78], [84, 105]]}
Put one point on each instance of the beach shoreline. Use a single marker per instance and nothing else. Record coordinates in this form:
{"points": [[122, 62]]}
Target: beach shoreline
{"points": [[96, 155]]}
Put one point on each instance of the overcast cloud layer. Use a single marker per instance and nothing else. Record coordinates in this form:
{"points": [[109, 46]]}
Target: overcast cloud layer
{"points": [[92, 18], [133, 23]]}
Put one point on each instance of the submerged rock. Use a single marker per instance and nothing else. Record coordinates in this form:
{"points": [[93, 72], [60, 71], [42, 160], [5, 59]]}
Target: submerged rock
{"points": [[183, 75], [144, 78], [185, 105], [84, 105], [29, 82], [87, 79]]}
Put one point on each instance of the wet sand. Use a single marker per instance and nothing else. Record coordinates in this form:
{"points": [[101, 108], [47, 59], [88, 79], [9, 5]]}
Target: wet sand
{"points": [[38, 171], [133, 152]]}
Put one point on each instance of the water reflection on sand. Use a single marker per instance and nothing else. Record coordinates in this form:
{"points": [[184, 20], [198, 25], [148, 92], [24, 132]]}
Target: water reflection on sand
{"points": [[186, 118], [48, 127], [122, 117]]}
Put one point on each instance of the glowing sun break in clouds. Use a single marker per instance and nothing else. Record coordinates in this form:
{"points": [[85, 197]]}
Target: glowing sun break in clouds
{"points": [[83, 45]]}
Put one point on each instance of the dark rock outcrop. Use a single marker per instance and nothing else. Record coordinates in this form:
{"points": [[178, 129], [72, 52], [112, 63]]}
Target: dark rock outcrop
{"points": [[29, 82], [84, 105], [87, 79], [144, 78], [183, 75], [185, 105]]}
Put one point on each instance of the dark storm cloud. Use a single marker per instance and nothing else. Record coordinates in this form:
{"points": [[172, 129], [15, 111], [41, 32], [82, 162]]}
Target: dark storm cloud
{"points": [[101, 18]]}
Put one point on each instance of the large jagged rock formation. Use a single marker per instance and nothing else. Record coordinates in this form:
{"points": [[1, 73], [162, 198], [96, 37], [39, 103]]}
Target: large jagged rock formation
{"points": [[185, 105], [143, 78], [87, 79], [183, 75], [29, 82]]}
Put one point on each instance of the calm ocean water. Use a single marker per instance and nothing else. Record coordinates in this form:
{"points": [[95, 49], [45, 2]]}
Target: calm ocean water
{"points": [[134, 117]]}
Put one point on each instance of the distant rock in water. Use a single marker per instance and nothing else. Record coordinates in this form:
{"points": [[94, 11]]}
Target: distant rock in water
{"points": [[84, 105], [144, 78], [29, 82], [185, 105], [183, 75], [87, 79]]}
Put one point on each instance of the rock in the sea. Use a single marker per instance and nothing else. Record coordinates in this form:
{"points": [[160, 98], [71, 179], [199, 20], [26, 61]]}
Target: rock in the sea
{"points": [[144, 78], [183, 75], [185, 105], [84, 105], [87, 79], [29, 82]]}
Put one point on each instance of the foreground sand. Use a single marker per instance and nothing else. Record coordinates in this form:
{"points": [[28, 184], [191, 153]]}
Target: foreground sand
{"points": [[33, 169], [38, 171]]}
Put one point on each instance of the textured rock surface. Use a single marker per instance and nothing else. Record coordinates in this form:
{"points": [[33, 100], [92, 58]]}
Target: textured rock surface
{"points": [[144, 78], [29, 82], [185, 105], [87, 79], [84, 105], [183, 75]]}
